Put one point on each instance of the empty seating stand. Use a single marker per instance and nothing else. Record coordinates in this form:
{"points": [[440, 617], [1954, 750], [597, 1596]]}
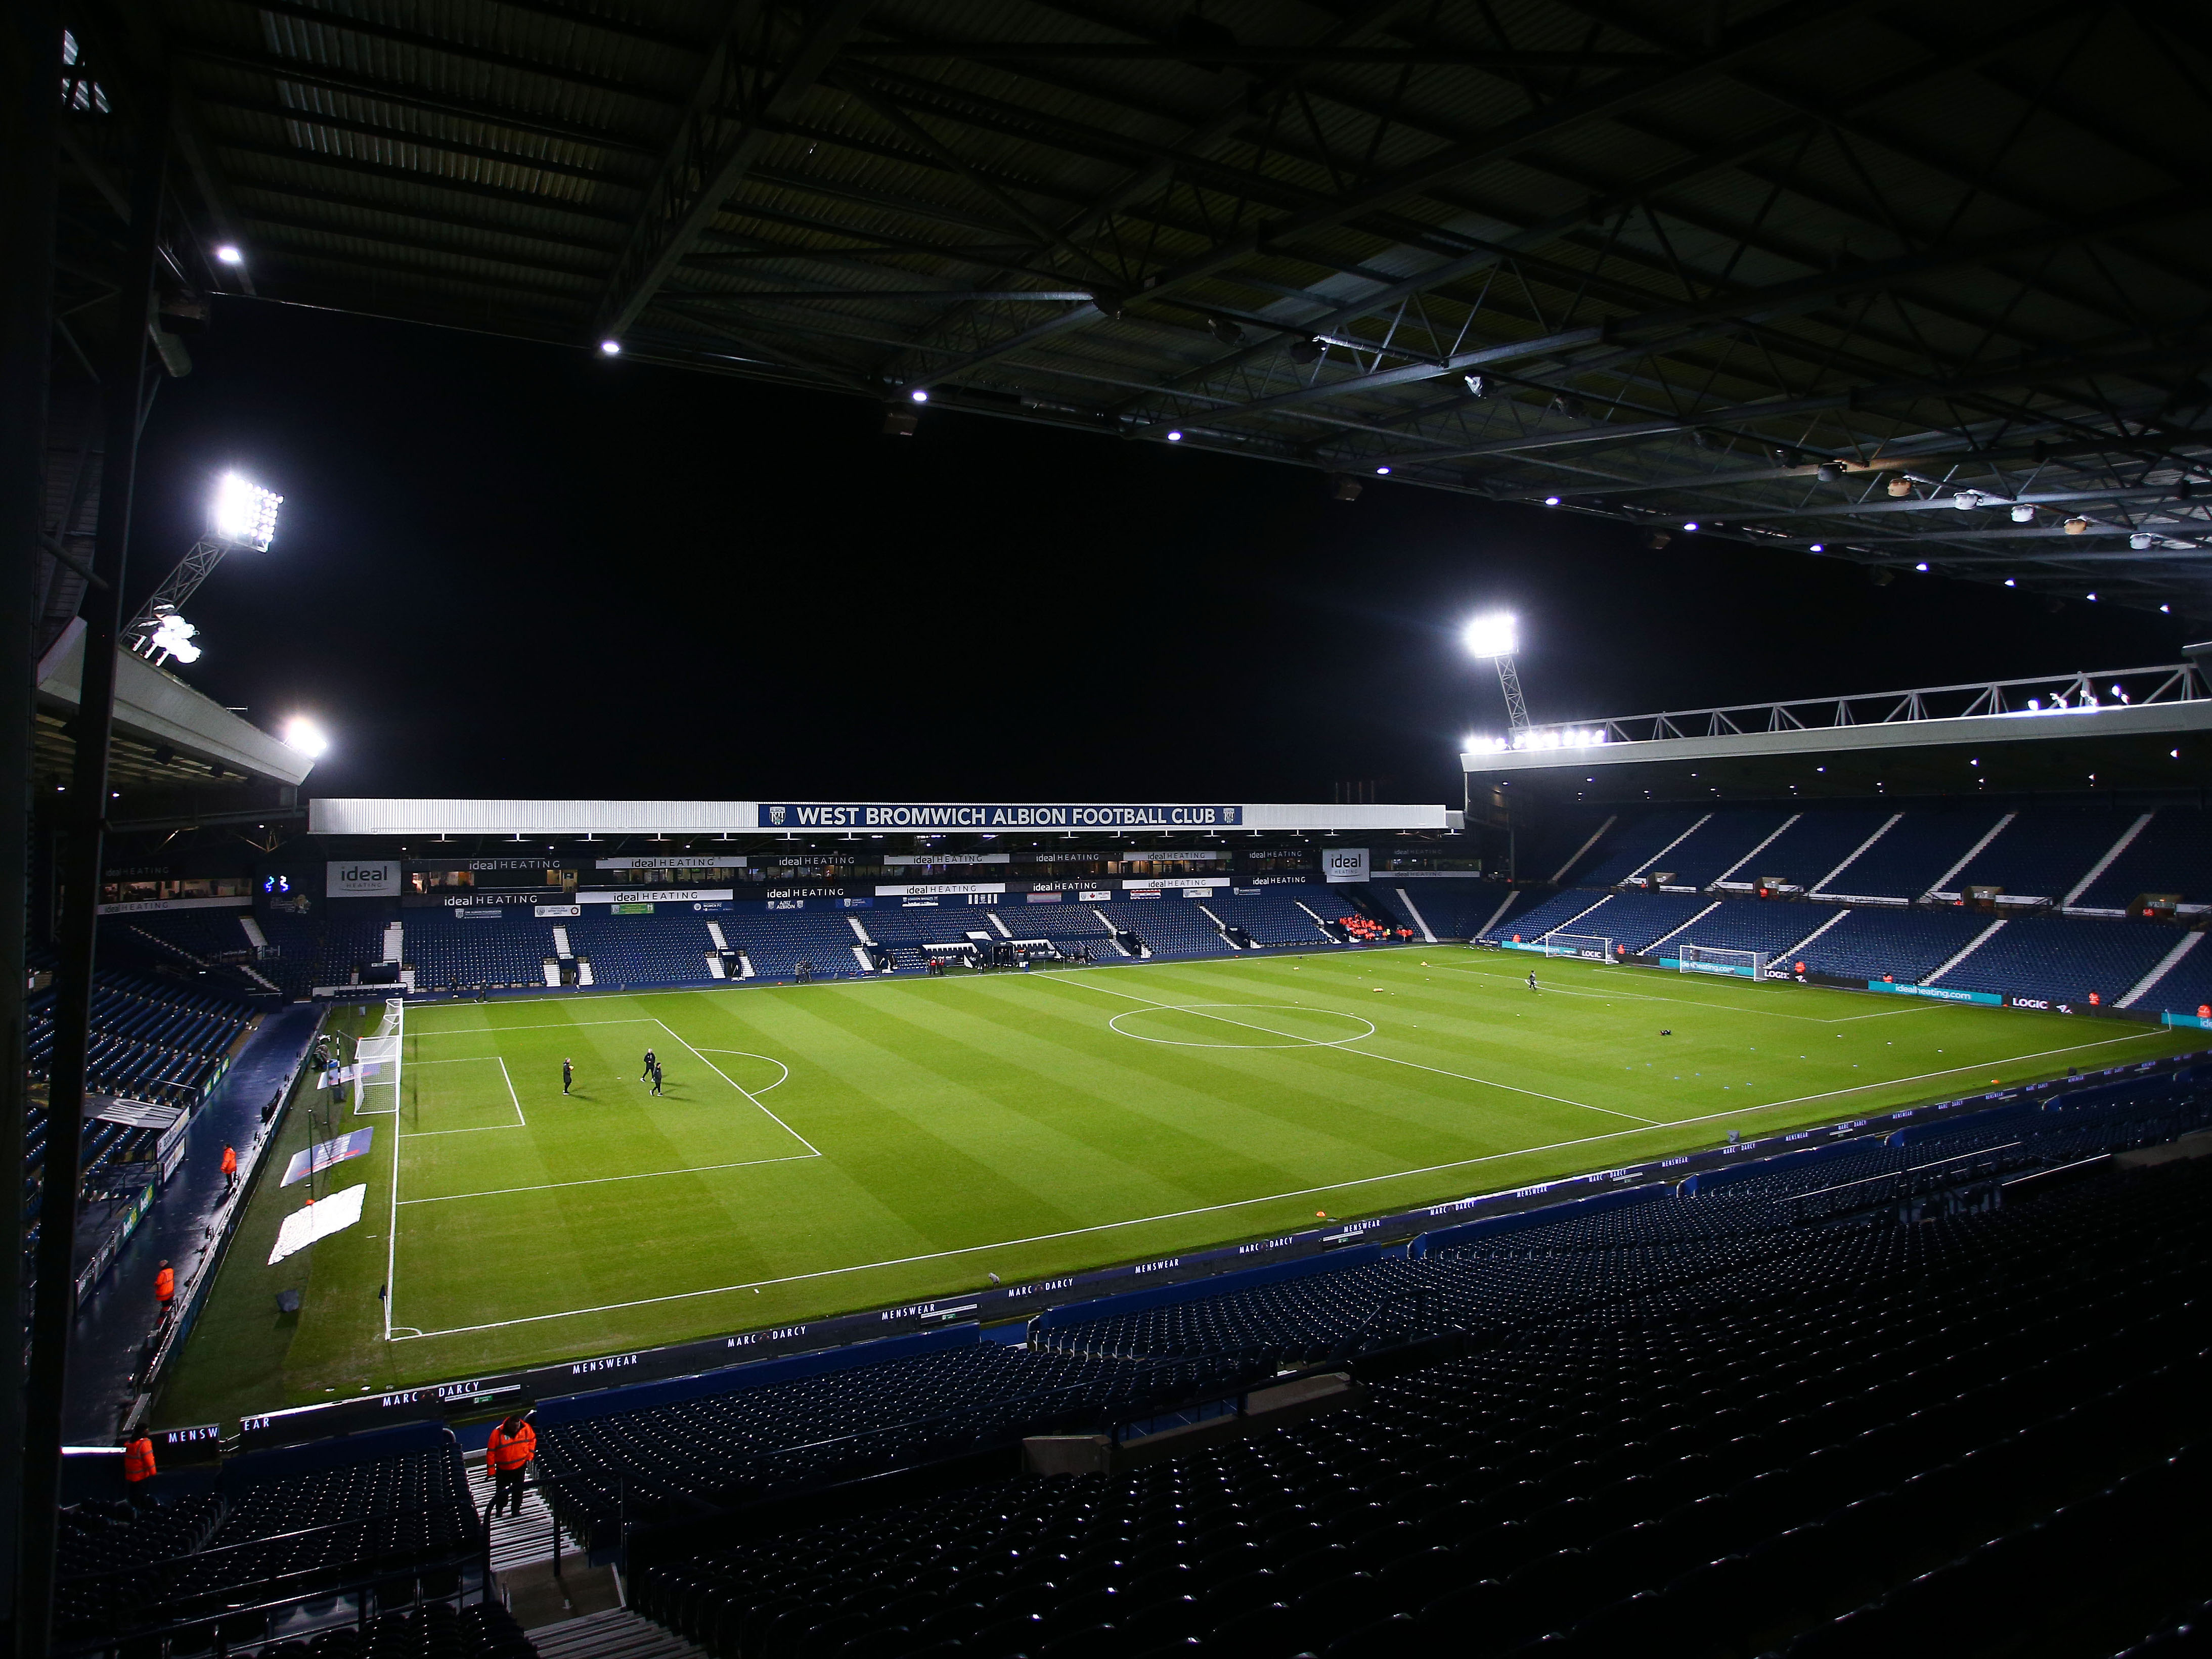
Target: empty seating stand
{"points": [[1697, 1425], [151, 1039], [508, 951], [394, 1529], [2172, 854], [1170, 925], [2063, 959], [1906, 945], [1915, 854], [719, 1451], [646, 951], [777, 943], [1274, 915], [2043, 853]]}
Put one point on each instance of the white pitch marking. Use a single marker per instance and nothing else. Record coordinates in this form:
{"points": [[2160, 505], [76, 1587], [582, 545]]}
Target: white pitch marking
{"points": [[1514, 979], [742, 1090], [1365, 1053], [750, 1055], [600, 1180], [1235, 1204], [521, 1121], [543, 1026]]}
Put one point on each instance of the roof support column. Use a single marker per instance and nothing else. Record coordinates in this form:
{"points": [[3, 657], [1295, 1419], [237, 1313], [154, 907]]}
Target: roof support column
{"points": [[83, 823]]}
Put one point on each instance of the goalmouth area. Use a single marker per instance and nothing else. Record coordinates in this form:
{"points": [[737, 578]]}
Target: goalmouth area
{"points": [[824, 1148]]}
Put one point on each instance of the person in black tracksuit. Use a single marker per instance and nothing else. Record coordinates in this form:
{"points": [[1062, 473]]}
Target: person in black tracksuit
{"points": [[567, 1074], [650, 1063]]}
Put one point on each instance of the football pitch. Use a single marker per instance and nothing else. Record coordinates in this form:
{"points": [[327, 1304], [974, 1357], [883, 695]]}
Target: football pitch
{"points": [[823, 1148]]}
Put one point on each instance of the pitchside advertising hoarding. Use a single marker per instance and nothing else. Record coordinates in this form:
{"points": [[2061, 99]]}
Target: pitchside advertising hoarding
{"points": [[927, 814]]}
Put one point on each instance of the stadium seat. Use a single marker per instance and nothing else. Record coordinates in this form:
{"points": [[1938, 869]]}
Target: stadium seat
{"points": [[1721, 1418]]}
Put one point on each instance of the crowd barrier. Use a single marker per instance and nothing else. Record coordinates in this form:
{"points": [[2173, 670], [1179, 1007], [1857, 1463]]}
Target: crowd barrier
{"points": [[1165, 1296], [791, 1368], [1466, 1232]]}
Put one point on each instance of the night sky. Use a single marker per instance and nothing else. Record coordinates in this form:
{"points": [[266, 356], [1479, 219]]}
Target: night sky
{"points": [[513, 569]]}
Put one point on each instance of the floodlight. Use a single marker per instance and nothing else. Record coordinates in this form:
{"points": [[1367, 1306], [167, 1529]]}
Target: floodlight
{"points": [[243, 515], [1820, 547], [172, 635], [2139, 541], [1689, 524], [1496, 634], [228, 254], [2023, 513], [610, 347], [304, 735], [1174, 436], [1551, 500], [2009, 583], [1922, 565], [919, 394], [1383, 470]]}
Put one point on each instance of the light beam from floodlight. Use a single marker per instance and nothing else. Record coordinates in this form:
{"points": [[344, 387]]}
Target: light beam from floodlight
{"points": [[304, 735], [1496, 636], [243, 513]]}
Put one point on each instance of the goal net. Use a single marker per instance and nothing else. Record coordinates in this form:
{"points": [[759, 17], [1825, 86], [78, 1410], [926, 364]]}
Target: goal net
{"points": [[377, 1057], [1712, 959], [1590, 947]]}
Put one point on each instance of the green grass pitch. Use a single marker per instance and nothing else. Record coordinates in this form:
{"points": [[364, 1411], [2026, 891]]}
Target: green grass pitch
{"points": [[829, 1148]]}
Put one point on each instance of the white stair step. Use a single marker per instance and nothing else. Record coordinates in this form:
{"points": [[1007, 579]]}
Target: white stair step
{"points": [[618, 1633], [516, 1541]]}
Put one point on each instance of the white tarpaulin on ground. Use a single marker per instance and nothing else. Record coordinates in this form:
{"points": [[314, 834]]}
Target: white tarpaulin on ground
{"points": [[316, 1220]]}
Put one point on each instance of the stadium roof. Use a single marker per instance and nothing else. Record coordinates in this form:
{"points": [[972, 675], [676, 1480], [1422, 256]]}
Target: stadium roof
{"points": [[1900, 282], [363, 816], [167, 736], [2127, 727]]}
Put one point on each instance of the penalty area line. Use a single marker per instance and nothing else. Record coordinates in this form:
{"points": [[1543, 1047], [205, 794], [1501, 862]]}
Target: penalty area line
{"points": [[742, 1090]]}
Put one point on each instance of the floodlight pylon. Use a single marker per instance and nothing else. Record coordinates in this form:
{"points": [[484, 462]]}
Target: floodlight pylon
{"points": [[1509, 681]]}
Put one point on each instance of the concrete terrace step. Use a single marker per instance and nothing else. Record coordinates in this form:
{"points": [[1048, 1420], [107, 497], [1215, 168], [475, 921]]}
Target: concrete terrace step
{"points": [[618, 1633]]}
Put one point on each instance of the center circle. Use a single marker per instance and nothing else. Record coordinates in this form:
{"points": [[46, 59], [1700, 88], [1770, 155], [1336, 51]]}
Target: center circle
{"points": [[1242, 1025]]}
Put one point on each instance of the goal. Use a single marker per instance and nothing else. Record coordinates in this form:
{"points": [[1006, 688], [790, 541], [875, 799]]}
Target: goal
{"points": [[1713, 959], [378, 1058], [1590, 947]]}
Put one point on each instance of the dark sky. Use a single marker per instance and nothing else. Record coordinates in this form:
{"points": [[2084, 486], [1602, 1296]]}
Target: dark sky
{"points": [[508, 569]]}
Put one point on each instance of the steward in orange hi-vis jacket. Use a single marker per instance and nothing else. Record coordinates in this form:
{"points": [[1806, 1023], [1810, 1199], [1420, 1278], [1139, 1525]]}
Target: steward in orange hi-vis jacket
{"points": [[512, 1445]]}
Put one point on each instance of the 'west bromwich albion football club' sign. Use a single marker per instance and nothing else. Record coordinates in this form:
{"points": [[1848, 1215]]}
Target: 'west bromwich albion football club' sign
{"points": [[920, 815]]}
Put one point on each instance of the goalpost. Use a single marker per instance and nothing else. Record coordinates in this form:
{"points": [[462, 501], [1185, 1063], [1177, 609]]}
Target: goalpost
{"points": [[1589, 947], [378, 1058], [1713, 959]]}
